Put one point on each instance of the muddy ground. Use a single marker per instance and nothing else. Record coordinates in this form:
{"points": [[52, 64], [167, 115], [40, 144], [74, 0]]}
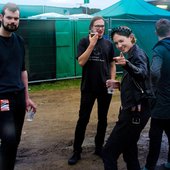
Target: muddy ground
{"points": [[47, 141]]}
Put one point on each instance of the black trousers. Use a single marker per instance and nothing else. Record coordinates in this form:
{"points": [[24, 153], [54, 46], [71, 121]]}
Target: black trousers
{"points": [[123, 140], [86, 105], [11, 123], [155, 134]]}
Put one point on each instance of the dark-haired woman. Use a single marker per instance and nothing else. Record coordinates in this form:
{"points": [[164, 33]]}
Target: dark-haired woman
{"points": [[134, 110]]}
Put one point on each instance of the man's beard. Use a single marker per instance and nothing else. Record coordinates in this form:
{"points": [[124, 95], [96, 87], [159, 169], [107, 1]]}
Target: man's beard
{"points": [[9, 27]]}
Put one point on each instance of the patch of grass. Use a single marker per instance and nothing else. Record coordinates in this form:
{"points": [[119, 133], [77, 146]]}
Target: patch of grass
{"points": [[119, 76], [57, 85]]}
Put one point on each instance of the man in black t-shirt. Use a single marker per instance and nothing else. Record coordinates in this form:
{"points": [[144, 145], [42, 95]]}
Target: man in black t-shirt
{"points": [[95, 55], [14, 97]]}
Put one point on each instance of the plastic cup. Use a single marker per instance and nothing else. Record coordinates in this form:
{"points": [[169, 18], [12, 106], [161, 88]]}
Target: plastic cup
{"points": [[110, 90], [30, 115]]}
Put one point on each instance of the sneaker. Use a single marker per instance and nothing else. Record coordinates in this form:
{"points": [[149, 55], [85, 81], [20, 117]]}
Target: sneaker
{"points": [[75, 158]]}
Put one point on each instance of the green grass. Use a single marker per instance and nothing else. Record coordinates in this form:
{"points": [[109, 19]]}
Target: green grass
{"points": [[57, 85]]}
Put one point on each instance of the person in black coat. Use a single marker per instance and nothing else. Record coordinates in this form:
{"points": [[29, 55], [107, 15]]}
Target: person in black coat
{"points": [[160, 113], [134, 111]]}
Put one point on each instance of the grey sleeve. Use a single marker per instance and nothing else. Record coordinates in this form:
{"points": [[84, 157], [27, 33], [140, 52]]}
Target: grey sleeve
{"points": [[156, 66]]}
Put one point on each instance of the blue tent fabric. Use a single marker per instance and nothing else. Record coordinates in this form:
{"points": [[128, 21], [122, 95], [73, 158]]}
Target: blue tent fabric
{"points": [[133, 9]]}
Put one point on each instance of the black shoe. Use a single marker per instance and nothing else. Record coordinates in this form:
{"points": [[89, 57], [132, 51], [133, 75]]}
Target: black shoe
{"points": [[98, 152], [75, 158]]}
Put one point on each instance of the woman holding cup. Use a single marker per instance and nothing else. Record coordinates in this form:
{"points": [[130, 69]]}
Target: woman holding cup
{"points": [[134, 109]]}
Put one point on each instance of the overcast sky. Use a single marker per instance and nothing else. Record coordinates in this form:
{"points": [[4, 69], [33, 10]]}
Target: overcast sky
{"points": [[65, 3]]}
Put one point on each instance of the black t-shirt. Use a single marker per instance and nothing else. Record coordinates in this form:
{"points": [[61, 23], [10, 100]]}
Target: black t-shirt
{"points": [[97, 69], [12, 63]]}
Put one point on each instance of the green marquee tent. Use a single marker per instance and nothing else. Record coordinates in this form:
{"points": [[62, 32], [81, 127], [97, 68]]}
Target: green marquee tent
{"points": [[133, 9], [140, 16]]}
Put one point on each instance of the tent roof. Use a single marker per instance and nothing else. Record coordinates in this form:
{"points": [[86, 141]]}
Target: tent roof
{"points": [[50, 15], [133, 9], [74, 16]]}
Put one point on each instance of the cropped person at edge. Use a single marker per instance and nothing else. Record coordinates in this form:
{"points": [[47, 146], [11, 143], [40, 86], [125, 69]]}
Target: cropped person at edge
{"points": [[95, 55], [14, 97], [160, 112]]}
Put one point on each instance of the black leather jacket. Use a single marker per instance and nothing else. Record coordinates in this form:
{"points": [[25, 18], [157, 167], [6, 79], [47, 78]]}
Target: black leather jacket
{"points": [[135, 84]]}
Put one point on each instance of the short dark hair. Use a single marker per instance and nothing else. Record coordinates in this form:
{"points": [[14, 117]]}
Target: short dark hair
{"points": [[124, 31], [121, 30], [162, 27], [93, 20], [11, 6]]}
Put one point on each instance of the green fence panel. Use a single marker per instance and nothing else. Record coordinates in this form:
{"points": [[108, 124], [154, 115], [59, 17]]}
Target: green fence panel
{"points": [[39, 36], [64, 31], [51, 47], [81, 30]]}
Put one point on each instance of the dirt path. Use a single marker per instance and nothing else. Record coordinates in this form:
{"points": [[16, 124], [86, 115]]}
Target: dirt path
{"points": [[47, 140]]}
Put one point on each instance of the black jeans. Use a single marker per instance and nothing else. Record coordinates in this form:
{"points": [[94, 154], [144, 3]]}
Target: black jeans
{"points": [[86, 105], [123, 140], [11, 123], [155, 134]]}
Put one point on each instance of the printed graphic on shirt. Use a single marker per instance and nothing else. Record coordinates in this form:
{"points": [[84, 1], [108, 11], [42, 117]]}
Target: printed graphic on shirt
{"points": [[96, 55], [4, 105]]}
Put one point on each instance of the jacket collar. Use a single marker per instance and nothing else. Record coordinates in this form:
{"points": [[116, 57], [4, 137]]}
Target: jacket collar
{"points": [[130, 52]]}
